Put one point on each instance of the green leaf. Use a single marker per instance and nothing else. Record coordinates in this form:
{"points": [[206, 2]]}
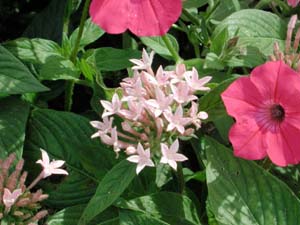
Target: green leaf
{"points": [[58, 68], [91, 32], [66, 136], [240, 192], [72, 190], [247, 57], [15, 78], [13, 118], [212, 102], [71, 215], [254, 28], [224, 9], [133, 218], [35, 50], [67, 216], [168, 207], [194, 3], [158, 45], [110, 188], [112, 59], [48, 24]]}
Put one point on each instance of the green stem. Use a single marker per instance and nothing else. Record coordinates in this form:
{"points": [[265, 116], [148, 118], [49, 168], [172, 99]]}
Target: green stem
{"points": [[197, 51], [81, 27], [282, 4], [191, 17], [194, 62], [170, 47], [267, 164], [180, 178], [261, 4], [69, 88], [212, 10]]}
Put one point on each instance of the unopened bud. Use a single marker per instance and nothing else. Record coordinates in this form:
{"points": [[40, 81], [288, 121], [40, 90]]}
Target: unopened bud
{"points": [[130, 150]]}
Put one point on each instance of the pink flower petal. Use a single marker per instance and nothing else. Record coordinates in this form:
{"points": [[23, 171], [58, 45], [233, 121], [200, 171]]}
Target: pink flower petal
{"points": [[142, 17], [59, 171], [239, 100], [110, 15], [293, 3], [283, 146], [247, 139], [57, 163]]}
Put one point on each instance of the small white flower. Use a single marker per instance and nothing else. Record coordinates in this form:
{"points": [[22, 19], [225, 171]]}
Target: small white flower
{"points": [[170, 155], [143, 158], [50, 168]]}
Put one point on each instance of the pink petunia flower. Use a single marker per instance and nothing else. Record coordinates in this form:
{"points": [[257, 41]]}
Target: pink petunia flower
{"points": [[9, 198], [50, 168], [266, 108], [141, 17], [293, 3], [143, 158], [170, 155]]}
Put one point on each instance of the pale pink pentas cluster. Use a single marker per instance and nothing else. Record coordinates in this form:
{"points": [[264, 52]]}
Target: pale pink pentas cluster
{"points": [[156, 109], [19, 205], [291, 54]]}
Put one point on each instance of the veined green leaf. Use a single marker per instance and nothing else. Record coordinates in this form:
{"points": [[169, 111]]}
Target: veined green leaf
{"points": [[15, 78], [13, 118], [240, 192]]}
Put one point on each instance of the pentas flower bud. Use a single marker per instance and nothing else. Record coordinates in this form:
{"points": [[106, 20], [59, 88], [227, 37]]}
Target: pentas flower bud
{"points": [[18, 204], [290, 55], [157, 108]]}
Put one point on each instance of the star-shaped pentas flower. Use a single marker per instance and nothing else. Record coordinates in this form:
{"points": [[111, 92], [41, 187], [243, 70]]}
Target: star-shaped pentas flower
{"points": [[143, 158], [9, 198], [266, 108], [50, 168], [170, 155]]}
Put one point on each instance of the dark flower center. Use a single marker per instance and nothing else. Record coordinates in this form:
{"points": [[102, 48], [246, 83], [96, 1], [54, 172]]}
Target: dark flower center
{"points": [[277, 112]]}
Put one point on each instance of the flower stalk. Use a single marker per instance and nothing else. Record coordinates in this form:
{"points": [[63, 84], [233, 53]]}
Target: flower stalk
{"points": [[69, 87]]}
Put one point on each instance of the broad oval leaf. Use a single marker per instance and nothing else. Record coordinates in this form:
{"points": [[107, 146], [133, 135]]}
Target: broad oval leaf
{"points": [[159, 46], [58, 68], [113, 59], [255, 28], [240, 192], [15, 78], [212, 103], [71, 215], [136, 218], [66, 136], [109, 189], [34, 50], [13, 119], [171, 208], [91, 32], [48, 23]]}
